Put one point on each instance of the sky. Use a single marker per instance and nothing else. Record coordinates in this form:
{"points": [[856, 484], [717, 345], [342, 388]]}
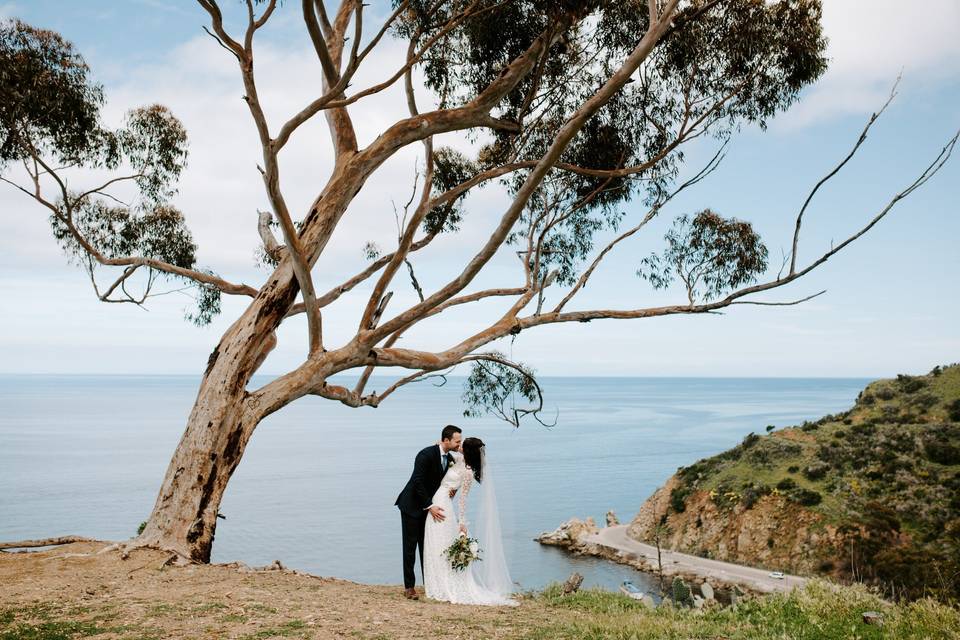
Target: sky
{"points": [[891, 300]]}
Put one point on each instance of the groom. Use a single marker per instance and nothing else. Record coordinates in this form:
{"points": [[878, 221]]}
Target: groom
{"points": [[414, 501]]}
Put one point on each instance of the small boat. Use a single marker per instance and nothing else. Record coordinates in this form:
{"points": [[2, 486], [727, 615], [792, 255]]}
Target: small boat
{"points": [[631, 590]]}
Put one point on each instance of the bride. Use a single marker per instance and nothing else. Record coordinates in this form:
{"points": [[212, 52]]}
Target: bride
{"points": [[484, 582]]}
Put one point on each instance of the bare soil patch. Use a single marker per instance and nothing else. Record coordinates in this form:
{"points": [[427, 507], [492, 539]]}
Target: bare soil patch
{"points": [[89, 593]]}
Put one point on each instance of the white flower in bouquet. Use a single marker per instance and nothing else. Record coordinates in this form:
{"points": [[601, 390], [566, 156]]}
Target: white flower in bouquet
{"points": [[462, 552]]}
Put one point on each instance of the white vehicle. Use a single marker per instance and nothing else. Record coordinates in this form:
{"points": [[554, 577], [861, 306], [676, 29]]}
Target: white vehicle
{"points": [[777, 574], [631, 590]]}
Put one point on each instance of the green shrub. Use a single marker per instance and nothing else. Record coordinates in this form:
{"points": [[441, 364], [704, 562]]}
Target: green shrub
{"points": [[910, 384], [678, 498], [885, 393], [681, 593], [941, 452], [816, 471], [805, 497], [787, 484], [953, 410], [923, 401], [752, 493]]}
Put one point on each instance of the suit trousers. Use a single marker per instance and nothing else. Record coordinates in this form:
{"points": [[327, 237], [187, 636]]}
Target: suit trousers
{"points": [[412, 534]]}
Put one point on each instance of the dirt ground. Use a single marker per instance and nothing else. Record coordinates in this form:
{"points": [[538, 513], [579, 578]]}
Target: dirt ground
{"points": [[78, 592]]}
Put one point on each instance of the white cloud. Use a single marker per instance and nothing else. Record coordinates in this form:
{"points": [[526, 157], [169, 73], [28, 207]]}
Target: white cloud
{"points": [[871, 42], [221, 191]]}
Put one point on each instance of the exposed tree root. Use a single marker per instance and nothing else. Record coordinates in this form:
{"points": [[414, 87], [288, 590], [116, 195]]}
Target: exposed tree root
{"points": [[177, 558], [45, 542]]}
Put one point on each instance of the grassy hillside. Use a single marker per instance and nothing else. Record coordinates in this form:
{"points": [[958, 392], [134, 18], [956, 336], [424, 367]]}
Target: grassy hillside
{"points": [[885, 474]]}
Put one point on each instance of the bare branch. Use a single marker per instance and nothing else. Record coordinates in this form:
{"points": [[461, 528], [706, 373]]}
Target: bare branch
{"points": [[331, 99], [780, 304], [105, 185], [406, 239], [221, 43], [826, 178], [585, 316], [319, 42], [270, 244], [374, 399], [271, 172], [703, 173], [331, 296], [216, 18], [266, 15], [106, 294]]}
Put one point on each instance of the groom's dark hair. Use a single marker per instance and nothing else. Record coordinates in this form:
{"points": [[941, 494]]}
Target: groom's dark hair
{"points": [[448, 431]]}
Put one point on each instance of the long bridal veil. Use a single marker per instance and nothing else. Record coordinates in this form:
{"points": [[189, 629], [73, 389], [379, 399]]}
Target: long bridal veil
{"points": [[491, 572]]}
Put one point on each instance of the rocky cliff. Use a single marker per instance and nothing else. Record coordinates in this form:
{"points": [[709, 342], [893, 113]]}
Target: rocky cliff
{"points": [[871, 494]]}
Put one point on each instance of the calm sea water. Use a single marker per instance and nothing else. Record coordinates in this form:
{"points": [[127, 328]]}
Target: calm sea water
{"points": [[85, 455]]}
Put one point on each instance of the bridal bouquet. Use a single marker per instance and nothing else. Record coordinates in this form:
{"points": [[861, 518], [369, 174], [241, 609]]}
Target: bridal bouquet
{"points": [[462, 552]]}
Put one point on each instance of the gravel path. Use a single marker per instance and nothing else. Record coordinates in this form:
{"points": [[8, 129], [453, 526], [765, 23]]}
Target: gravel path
{"points": [[758, 579]]}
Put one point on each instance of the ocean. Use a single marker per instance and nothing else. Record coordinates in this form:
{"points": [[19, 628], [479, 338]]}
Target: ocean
{"points": [[85, 455]]}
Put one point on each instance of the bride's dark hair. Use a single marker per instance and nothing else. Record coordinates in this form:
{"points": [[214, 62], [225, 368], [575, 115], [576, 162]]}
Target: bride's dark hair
{"points": [[472, 448]]}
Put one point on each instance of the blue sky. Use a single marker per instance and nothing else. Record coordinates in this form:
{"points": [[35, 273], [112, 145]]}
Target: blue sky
{"points": [[891, 303]]}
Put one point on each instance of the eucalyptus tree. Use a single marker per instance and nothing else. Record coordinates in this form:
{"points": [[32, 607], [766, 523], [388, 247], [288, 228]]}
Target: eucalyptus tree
{"points": [[577, 108]]}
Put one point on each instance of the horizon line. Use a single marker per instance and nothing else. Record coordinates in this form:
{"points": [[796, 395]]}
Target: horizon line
{"points": [[458, 376]]}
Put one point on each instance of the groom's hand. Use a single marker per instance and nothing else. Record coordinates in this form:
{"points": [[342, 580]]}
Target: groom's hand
{"points": [[453, 492], [437, 513]]}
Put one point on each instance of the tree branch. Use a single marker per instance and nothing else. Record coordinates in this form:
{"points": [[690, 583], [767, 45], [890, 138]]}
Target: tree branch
{"points": [[826, 178], [566, 133], [271, 172], [703, 173], [319, 42], [123, 261], [270, 244]]}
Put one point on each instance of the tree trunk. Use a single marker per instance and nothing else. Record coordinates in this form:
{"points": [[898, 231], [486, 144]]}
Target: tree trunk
{"points": [[184, 517], [224, 416]]}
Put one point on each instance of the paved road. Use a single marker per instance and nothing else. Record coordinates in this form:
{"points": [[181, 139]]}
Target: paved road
{"points": [[673, 562]]}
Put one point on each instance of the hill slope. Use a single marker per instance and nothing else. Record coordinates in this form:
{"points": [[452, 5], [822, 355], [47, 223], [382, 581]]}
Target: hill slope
{"points": [[870, 494]]}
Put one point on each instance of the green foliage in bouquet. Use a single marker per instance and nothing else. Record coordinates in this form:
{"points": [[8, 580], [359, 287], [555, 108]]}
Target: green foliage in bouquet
{"points": [[462, 552]]}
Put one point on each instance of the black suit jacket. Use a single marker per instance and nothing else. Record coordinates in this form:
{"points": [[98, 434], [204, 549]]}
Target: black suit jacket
{"points": [[423, 483]]}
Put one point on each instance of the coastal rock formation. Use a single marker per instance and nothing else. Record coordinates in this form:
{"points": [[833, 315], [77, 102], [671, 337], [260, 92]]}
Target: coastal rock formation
{"points": [[869, 494], [571, 535], [612, 518], [773, 533]]}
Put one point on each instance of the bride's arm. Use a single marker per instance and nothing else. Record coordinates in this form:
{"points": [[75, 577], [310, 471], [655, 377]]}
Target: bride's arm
{"points": [[464, 490]]}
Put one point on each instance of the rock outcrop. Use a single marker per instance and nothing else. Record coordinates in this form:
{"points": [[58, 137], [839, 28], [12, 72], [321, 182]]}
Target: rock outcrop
{"points": [[773, 533], [571, 535]]}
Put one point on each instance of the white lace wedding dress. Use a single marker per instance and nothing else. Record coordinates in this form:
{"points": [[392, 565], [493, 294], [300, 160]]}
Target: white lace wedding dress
{"points": [[440, 580]]}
